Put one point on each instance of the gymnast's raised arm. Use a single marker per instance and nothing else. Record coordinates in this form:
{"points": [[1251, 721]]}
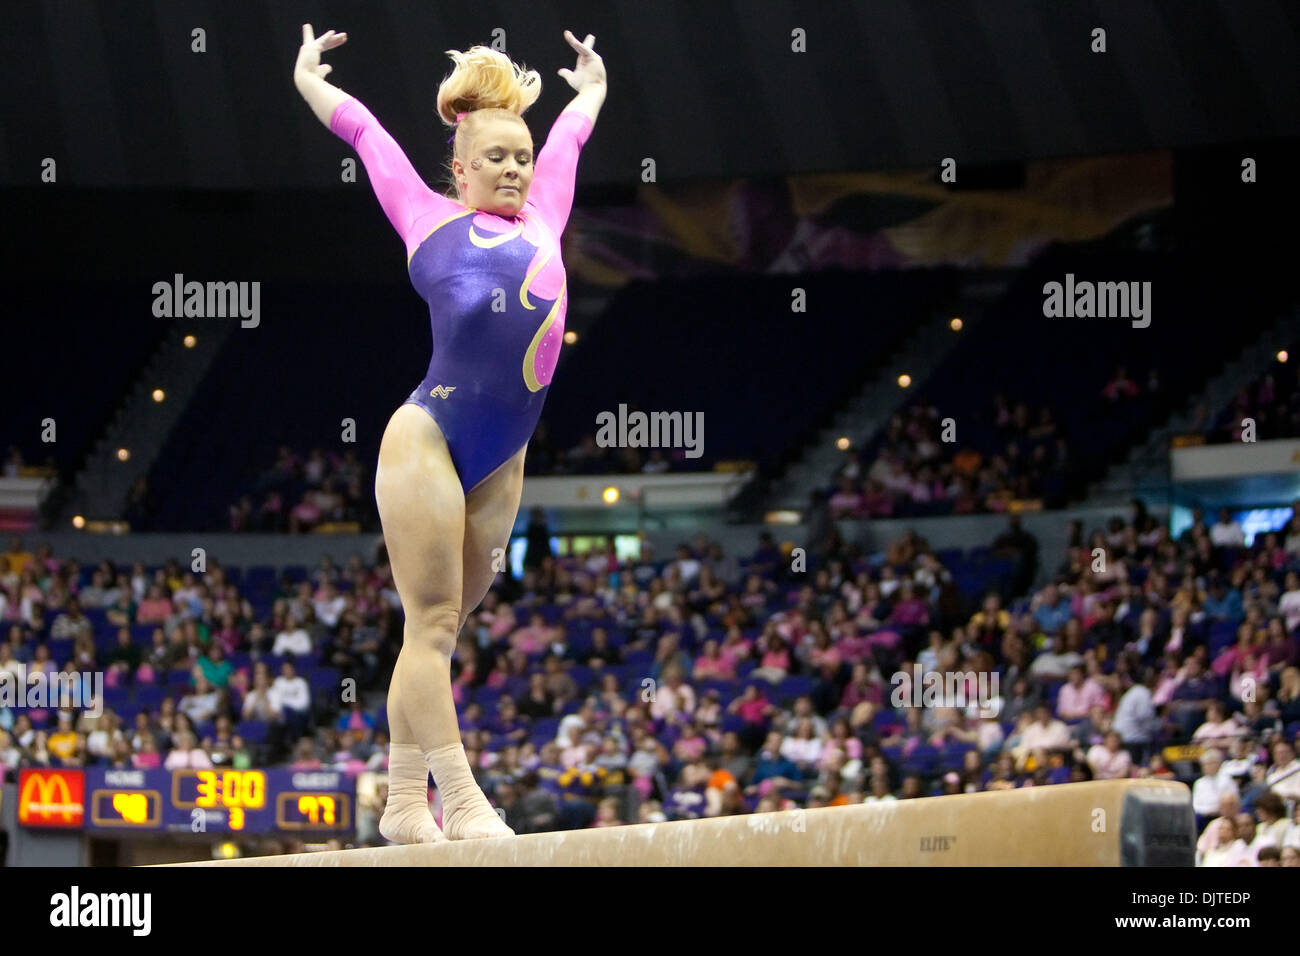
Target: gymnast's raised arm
{"points": [[309, 73], [404, 196]]}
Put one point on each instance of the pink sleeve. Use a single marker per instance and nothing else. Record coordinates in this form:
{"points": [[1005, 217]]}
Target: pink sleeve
{"points": [[557, 166], [410, 205]]}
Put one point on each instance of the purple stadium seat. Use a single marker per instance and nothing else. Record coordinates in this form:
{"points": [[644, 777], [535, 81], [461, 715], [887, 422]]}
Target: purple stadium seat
{"points": [[732, 723], [149, 696], [253, 731], [924, 759], [546, 726], [794, 686]]}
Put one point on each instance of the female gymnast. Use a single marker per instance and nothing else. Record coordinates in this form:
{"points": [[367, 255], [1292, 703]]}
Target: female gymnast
{"points": [[451, 462]]}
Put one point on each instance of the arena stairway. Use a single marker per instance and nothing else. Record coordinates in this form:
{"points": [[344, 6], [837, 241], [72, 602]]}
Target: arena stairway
{"points": [[142, 425], [867, 413], [1145, 472]]}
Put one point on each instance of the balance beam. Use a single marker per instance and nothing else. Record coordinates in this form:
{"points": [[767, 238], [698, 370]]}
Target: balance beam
{"points": [[1102, 823]]}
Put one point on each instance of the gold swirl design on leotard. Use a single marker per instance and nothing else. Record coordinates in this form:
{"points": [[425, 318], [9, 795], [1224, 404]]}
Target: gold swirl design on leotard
{"points": [[530, 357], [528, 280]]}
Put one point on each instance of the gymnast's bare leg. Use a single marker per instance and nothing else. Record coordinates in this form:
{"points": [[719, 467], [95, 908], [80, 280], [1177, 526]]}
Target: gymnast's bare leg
{"points": [[439, 545]]}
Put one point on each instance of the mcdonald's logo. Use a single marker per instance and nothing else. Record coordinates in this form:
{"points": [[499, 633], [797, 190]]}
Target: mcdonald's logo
{"points": [[51, 798]]}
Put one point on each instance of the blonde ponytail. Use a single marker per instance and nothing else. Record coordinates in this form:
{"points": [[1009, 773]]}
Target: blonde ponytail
{"points": [[485, 79]]}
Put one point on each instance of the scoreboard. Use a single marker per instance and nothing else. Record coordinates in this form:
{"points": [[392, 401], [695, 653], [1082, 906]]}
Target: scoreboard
{"points": [[219, 801]]}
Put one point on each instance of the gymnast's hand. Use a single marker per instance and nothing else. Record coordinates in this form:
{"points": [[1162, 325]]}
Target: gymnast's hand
{"points": [[590, 69], [311, 49]]}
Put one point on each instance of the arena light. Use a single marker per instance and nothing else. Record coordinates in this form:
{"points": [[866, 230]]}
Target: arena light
{"points": [[781, 517], [190, 341], [123, 454], [904, 381], [78, 522], [570, 337], [842, 443], [610, 495], [1282, 356], [955, 324], [159, 394]]}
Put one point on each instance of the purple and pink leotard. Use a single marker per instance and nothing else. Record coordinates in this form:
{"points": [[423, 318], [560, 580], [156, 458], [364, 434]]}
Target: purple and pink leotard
{"points": [[495, 287]]}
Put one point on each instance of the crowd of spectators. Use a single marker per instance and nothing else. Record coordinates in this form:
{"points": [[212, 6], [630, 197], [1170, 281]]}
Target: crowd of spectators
{"points": [[300, 493], [596, 692], [1272, 401], [920, 471], [1009, 452]]}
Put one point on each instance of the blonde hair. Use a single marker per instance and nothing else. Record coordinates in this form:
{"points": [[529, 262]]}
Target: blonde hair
{"points": [[485, 84]]}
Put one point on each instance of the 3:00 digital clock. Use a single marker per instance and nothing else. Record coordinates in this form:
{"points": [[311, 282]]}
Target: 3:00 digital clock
{"points": [[208, 789], [196, 801]]}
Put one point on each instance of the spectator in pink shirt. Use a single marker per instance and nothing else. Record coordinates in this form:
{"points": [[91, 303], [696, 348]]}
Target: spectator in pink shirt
{"points": [[1228, 849], [578, 754], [1109, 760], [754, 709], [147, 758], [877, 502], [187, 754], [909, 610], [1120, 387], [533, 639], [822, 653], [735, 645], [1078, 696], [803, 747], [503, 621], [691, 745], [842, 738], [1218, 726], [155, 608], [775, 663], [847, 501], [1167, 682], [1248, 674], [228, 637], [1230, 657], [712, 664], [673, 698]]}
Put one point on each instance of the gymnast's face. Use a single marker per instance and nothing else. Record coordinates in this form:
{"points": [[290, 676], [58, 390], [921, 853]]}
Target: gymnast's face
{"points": [[499, 169]]}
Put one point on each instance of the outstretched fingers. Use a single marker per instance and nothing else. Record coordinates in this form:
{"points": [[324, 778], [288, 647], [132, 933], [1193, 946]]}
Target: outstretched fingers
{"points": [[326, 41], [583, 47]]}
